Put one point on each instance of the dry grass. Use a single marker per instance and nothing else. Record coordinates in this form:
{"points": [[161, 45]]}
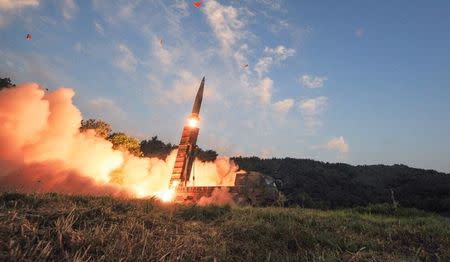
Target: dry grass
{"points": [[74, 228]]}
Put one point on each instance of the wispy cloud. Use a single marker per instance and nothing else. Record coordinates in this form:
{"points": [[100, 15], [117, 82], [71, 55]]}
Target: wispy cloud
{"points": [[283, 106], [263, 65], [160, 52], [273, 4], [99, 28], [126, 60], [184, 88], [310, 81], [311, 109], [225, 23], [9, 9], [264, 90], [280, 52], [106, 106], [272, 55], [10, 5], [69, 9]]}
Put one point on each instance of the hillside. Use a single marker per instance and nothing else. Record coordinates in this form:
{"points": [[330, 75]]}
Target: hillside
{"points": [[52, 226], [316, 184]]}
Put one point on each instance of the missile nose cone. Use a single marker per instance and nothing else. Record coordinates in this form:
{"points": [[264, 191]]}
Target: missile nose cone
{"points": [[198, 99]]}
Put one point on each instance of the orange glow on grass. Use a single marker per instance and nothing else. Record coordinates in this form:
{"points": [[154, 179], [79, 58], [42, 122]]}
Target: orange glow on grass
{"points": [[169, 194]]}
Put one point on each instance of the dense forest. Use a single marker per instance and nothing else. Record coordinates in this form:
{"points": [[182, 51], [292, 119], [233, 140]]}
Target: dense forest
{"points": [[316, 184]]}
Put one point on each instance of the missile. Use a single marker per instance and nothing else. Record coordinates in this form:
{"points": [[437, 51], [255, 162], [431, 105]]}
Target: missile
{"points": [[188, 144], [198, 99]]}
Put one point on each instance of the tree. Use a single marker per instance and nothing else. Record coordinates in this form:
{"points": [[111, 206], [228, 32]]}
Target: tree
{"points": [[6, 83], [102, 129], [156, 148], [206, 155], [123, 142]]}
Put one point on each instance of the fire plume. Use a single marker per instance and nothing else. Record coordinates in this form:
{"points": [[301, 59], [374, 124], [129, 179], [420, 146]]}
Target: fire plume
{"points": [[43, 151]]}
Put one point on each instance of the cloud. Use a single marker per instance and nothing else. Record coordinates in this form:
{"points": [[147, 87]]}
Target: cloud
{"points": [[225, 22], [184, 89], [310, 81], [263, 65], [338, 144], [69, 9], [126, 61], [127, 10], [11, 5], [99, 28], [279, 25], [283, 106], [160, 52], [313, 106], [311, 109], [276, 54], [264, 90], [105, 104], [273, 4], [280, 52]]}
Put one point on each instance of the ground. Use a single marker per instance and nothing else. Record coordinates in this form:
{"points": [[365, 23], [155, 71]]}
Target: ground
{"points": [[57, 227]]}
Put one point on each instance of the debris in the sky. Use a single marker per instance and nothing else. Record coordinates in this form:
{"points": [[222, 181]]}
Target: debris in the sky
{"points": [[198, 4], [161, 42], [245, 66], [28, 37]]}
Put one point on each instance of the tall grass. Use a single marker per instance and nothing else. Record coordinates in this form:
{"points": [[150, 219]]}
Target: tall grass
{"points": [[39, 227]]}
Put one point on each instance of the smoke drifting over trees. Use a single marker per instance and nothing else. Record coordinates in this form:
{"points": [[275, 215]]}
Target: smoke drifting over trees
{"points": [[43, 150]]}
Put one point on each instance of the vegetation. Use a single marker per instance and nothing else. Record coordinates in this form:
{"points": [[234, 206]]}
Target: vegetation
{"points": [[156, 148], [315, 184], [102, 129], [61, 228], [123, 142], [6, 83]]}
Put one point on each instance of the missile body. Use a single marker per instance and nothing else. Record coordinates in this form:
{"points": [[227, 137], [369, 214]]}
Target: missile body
{"points": [[188, 144]]}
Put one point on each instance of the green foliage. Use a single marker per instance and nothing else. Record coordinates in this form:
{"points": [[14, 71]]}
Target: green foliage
{"points": [[156, 148], [123, 142], [206, 155], [82, 228], [315, 184], [6, 83], [102, 129]]}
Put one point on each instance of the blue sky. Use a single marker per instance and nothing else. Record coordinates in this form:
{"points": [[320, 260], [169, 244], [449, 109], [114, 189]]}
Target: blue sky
{"points": [[361, 82]]}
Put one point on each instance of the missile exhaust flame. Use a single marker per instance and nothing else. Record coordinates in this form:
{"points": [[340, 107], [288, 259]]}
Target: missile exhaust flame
{"points": [[42, 150]]}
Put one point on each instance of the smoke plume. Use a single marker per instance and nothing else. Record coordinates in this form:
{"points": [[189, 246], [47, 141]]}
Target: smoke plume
{"points": [[42, 150]]}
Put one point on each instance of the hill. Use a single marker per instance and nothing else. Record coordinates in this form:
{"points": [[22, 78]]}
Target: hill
{"points": [[60, 227], [316, 184]]}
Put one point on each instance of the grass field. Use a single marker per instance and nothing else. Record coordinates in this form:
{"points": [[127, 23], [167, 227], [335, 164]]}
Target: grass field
{"points": [[59, 228]]}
